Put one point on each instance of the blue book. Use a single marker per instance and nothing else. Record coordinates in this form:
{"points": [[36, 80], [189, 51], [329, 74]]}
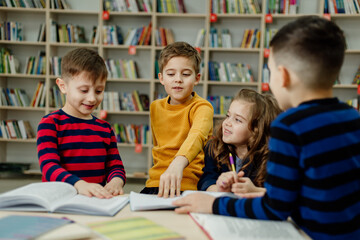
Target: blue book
{"points": [[28, 227]]}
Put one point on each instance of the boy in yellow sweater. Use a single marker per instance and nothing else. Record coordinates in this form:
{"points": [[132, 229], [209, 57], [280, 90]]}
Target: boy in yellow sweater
{"points": [[181, 124]]}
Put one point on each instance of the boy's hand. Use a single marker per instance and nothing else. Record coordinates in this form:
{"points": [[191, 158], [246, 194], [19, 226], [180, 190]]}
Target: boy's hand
{"points": [[170, 180], [115, 186], [225, 181], [195, 202], [91, 189]]}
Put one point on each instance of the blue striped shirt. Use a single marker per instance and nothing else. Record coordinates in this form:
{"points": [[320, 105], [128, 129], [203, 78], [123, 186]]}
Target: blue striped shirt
{"points": [[313, 172]]}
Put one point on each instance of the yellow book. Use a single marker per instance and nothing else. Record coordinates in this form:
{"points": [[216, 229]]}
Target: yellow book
{"points": [[133, 228]]}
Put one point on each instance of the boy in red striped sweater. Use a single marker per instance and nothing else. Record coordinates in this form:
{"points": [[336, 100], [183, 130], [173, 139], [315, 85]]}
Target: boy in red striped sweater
{"points": [[73, 145]]}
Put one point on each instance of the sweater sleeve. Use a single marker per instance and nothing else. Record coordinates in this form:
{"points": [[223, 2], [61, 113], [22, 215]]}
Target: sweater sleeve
{"points": [[114, 164], [48, 154], [282, 183], [211, 172], [202, 123]]}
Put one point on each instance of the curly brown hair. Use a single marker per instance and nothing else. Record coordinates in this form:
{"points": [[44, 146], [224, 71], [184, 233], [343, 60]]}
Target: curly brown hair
{"points": [[264, 109]]}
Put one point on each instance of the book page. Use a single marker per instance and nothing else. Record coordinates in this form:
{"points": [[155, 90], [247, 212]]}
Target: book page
{"points": [[34, 195], [140, 201], [92, 205], [223, 227]]}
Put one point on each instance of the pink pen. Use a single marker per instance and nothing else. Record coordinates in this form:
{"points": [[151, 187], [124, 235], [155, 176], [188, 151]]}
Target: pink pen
{"points": [[232, 162]]}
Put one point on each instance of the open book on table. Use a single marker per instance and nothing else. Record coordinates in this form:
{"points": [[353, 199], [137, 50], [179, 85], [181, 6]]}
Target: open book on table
{"points": [[223, 227], [140, 201], [59, 197]]}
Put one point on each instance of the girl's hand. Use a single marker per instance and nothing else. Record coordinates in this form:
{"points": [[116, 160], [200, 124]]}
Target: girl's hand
{"points": [[225, 181]]}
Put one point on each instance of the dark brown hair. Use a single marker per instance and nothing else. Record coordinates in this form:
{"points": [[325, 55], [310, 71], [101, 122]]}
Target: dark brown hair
{"points": [[180, 49], [313, 47], [263, 111], [83, 59]]}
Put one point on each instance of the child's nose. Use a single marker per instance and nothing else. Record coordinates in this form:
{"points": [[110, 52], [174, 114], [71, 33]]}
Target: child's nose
{"points": [[91, 97], [178, 78]]}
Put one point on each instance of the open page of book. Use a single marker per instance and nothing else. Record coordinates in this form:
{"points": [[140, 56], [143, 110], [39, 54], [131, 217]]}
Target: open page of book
{"points": [[37, 196], [92, 205], [223, 227], [140, 201]]}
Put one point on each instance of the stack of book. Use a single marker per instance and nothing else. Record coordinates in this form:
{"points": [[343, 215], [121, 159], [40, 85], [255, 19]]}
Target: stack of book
{"points": [[59, 4], [114, 101], [55, 66], [131, 133], [67, 33], [171, 6], [220, 40], [283, 6], [128, 5], [342, 6], [112, 35], [57, 99], [230, 72], [36, 64], [138, 36], [11, 31], [23, 3], [164, 36], [16, 129], [7, 61], [236, 6], [14, 97], [220, 103], [251, 38], [269, 34], [39, 96], [200, 38], [122, 68]]}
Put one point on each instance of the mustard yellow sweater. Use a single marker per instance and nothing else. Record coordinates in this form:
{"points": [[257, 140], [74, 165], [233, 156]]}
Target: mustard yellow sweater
{"points": [[180, 130]]}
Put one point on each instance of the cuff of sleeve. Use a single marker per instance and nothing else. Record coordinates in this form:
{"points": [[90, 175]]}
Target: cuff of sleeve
{"points": [[215, 206], [72, 179]]}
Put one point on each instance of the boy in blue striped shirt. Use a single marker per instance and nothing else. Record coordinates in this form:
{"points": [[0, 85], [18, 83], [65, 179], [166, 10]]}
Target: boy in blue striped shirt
{"points": [[314, 161]]}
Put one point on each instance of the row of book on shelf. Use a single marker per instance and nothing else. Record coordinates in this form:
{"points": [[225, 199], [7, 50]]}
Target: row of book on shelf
{"points": [[54, 4], [230, 72], [128, 5], [16, 129], [23, 3], [134, 101], [122, 68], [131, 133], [342, 6], [33, 65], [67, 33], [236, 6], [282, 6], [171, 6], [11, 31], [220, 103]]}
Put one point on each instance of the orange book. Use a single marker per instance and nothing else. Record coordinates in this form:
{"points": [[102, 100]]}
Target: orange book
{"points": [[148, 35]]}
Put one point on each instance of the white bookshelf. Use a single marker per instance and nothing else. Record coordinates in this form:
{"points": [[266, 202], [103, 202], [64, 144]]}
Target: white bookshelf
{"points": [[88, 13]]}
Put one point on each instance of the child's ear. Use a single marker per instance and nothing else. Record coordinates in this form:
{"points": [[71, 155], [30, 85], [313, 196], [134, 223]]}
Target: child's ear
{"points": [[160, 76], [61, 84], [197, 78], [285, 76]]}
